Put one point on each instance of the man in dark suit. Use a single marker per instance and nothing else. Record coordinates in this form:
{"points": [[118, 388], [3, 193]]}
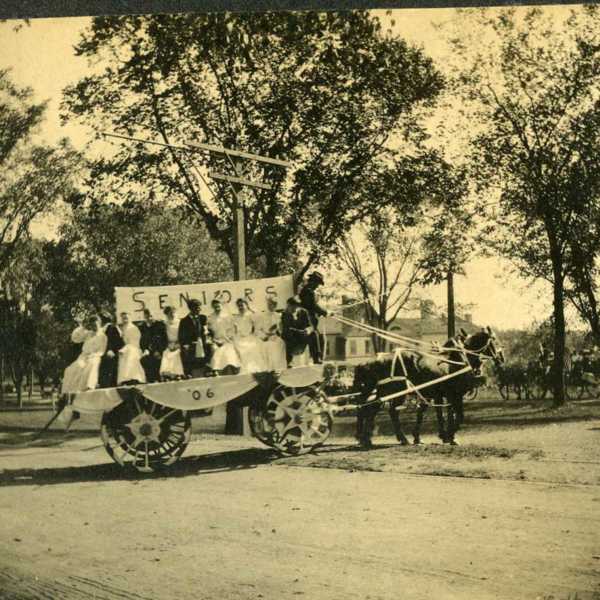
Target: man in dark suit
{"points": [[308, 299], [295, 328], [153, 343], [109, 365], [193, 331]]}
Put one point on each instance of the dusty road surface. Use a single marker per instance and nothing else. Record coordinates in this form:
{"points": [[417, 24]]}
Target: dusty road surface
{"points": [[228, 523]]}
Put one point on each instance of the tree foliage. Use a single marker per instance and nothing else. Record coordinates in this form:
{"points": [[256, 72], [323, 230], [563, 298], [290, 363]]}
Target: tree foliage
{"points": [[105, 245], [330, 92], [34, 176]]}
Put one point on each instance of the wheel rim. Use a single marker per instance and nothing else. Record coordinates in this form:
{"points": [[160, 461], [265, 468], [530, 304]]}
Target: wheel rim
{"points": [[144, 434], [293, 421]]}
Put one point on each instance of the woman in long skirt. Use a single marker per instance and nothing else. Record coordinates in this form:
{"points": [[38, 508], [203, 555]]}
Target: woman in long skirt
{"points": [[270, 330], [248, 345], [225, 358], [171, 366], [82, 374], [130, 366]]}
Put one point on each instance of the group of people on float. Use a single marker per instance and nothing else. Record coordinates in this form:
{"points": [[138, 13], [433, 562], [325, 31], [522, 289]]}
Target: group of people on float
{"points": [[111, 354]]}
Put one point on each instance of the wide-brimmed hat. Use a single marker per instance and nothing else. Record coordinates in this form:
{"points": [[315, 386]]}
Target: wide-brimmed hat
{"points": [[316, 276]]}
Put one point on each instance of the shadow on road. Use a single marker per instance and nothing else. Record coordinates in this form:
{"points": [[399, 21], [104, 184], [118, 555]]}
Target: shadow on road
{"points": [[192, 465]]}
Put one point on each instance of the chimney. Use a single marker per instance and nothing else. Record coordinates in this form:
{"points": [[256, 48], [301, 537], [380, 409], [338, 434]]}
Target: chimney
{"points": [[468, 317]]}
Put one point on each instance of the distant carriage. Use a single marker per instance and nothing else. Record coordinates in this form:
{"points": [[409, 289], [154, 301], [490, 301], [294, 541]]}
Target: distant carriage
{"points": [[534, 380]]}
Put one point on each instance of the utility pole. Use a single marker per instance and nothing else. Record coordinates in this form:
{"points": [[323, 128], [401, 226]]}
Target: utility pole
{"points": [[239, 270], [451, 315], [237, 183]]}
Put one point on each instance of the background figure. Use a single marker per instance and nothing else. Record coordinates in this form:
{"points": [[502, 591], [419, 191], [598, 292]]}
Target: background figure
{"points": [[110, 360], [192, 340], [153, 343], [308, 300], [83, 374], [295, 325], [270, 329], [171, 366], [225, 358], [246, 342], [130, 366]]}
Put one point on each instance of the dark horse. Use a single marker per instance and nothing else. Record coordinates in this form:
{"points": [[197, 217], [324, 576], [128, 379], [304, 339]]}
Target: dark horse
{"points": [[370, 380]]}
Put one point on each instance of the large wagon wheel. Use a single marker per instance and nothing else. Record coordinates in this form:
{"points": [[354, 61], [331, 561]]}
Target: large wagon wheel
{"points": [[293, 420], [144, 434]]}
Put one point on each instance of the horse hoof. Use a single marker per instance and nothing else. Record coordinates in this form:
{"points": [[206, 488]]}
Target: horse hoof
{"points": [[417, 442]]}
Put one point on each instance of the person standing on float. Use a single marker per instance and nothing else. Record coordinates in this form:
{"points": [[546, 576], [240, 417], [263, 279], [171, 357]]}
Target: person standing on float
{"points": [[308, 300]]}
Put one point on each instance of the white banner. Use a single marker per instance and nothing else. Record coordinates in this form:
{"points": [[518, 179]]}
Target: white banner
{"points": [[134, 300]]}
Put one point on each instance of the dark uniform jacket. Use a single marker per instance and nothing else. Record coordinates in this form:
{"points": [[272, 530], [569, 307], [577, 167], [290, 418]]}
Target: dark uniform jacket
{"points": [[294, 330], [154, 337], [308, 299], [191, 329]]}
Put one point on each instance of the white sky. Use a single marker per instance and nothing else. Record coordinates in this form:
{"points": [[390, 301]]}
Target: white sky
{"points": [[41, 56]]}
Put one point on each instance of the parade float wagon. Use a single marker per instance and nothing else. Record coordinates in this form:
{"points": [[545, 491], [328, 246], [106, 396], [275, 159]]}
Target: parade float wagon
{"points": [[148, 426]]}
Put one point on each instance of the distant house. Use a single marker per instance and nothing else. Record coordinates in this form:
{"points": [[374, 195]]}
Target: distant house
{"points": [[353, 345], [346, 343]]}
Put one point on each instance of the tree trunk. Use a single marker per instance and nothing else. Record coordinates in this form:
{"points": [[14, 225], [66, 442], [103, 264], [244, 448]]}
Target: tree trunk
{"points": [[558, 367], [30, 385], [19, 390], [2, 379], [451, 316]]}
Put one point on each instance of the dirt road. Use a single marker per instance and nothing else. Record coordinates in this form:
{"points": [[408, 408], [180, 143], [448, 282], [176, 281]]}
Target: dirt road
{"points": [[229, 524]]}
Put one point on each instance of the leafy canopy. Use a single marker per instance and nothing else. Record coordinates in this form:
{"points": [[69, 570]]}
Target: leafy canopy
{"points": [[331, 92]]}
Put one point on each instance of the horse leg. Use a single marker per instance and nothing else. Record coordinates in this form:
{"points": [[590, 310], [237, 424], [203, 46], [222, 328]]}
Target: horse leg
{"points": [[365, 424], [440, 418], [395, 418], [452, 420], [421, 408], [460, 412]]}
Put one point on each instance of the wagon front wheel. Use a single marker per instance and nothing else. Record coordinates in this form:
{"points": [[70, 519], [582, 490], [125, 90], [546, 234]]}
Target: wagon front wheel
{"points": [[145, 435], [293, 420]]}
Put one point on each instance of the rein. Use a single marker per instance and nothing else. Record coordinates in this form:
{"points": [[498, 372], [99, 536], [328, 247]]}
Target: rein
{"points": [[412, 345]]}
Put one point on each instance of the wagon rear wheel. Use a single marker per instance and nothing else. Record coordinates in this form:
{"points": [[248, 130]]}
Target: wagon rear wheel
{"points": [[144, 434], [293, 420]]}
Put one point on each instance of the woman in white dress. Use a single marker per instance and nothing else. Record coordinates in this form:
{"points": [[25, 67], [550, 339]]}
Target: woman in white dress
{"points": [[248, 345], [269, 326], [225, 358], [82, 374], [130, 367], [171, 366]]}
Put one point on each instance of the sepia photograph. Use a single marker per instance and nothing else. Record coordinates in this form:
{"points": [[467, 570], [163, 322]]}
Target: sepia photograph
{"points": [[301, 304]]}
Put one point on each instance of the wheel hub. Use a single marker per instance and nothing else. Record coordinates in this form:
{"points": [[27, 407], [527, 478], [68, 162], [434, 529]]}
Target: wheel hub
{"points": [[145, 428]]}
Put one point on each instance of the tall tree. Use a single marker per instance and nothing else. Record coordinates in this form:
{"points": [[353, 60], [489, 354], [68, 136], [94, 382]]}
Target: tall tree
{"points": [[408, 239], [531, 93], [330, 92]]}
